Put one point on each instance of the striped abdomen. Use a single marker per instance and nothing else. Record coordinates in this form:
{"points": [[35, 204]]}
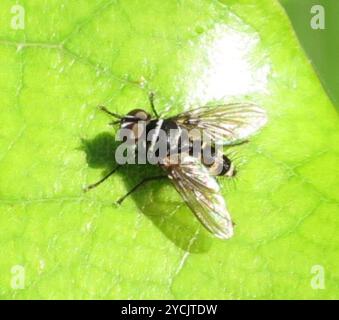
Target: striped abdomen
{"points": [[217, 163]]}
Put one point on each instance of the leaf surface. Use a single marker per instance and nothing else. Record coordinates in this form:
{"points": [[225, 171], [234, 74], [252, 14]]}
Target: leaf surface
{"points": [[75, 55]]}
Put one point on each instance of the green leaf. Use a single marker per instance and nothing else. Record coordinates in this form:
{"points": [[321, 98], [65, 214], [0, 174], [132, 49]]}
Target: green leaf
{"points": [[74, 55]]}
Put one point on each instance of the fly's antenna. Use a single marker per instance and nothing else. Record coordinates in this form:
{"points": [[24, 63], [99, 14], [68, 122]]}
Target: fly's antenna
{"points": [[113, 114], [151, 101]]}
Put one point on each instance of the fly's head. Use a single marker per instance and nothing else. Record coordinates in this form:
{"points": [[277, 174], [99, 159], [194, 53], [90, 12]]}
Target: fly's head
{"points": [[135, 122]]}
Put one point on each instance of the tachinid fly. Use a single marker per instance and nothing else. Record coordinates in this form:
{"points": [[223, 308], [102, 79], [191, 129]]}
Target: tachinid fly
{"points": [[193, 175]]}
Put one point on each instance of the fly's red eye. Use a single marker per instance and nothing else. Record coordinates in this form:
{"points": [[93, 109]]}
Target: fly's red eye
{"points": [[139, 114]]}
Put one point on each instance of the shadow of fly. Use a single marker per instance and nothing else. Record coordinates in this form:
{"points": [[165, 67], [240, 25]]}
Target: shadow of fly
{"points": [[185, 146]]}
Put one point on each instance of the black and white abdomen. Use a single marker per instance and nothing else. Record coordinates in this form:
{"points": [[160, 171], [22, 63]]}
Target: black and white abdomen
{"points": [[222, 166], [217, 163]]}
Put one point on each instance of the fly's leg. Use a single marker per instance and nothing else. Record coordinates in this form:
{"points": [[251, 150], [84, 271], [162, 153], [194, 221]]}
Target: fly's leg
{"points": [[136, 187], [151, 101], [91, 186], [113, 114]]}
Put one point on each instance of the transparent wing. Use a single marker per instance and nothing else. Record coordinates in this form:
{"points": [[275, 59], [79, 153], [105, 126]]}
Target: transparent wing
{"points": [[227, 123], [202, 194]]}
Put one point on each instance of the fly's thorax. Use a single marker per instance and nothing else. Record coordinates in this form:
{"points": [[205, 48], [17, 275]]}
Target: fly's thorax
{"points": [[166, 126], [163, 134]]}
